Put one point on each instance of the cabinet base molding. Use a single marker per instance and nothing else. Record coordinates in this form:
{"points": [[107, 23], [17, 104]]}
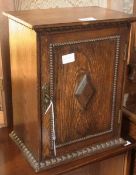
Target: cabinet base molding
{"points": [[58, 160]]}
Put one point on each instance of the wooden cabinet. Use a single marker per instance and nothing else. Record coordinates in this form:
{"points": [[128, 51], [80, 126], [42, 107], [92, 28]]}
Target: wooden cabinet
{"points": [[67, 83]]}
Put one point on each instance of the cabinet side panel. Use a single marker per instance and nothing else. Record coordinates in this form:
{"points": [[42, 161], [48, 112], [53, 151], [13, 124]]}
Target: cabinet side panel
{"points": [[25, 85]]}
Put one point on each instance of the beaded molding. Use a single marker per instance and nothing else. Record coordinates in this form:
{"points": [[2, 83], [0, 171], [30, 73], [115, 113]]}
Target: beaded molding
{"points": [[58, 160], [51, 47]]}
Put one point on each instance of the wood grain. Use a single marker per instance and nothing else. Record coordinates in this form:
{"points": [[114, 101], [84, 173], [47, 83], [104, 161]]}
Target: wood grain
{"points": [[24, 74], [55, 17], [72, 121], [115, 166], [46, 128], [66, 78], [36, 60]]}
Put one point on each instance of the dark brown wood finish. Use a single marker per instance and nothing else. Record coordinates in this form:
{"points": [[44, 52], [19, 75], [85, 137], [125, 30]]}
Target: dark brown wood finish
{"points": [[13, 162], [61, 110], [73, 120], [71, 126]]}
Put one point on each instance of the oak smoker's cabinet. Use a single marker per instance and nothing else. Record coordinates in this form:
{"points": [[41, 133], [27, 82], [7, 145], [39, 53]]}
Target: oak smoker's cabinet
{"points": [[67, 68]]}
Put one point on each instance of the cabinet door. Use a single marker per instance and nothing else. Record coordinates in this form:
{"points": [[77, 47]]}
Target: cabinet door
{"points": [[85, 82]]}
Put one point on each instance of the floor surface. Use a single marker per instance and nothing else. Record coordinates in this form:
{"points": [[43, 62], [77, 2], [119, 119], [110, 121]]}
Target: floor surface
{"points": [[12, 161]]}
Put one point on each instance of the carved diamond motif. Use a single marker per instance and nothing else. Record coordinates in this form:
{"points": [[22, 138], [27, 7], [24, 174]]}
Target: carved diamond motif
{"points": [[84, 91]]}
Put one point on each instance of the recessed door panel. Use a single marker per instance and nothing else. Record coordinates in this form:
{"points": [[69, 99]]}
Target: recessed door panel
{"points": [[82, 81], [84, 88]]}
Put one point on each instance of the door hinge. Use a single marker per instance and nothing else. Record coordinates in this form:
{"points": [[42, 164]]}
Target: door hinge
{"points": [[120, 116]]}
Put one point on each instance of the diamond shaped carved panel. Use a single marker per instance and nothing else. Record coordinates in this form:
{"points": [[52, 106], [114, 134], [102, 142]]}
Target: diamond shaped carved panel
{"points": [[84, 91]]}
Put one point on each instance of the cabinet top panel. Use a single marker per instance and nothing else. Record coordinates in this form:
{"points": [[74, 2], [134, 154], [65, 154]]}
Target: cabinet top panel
{"points": [[59, 17]]}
